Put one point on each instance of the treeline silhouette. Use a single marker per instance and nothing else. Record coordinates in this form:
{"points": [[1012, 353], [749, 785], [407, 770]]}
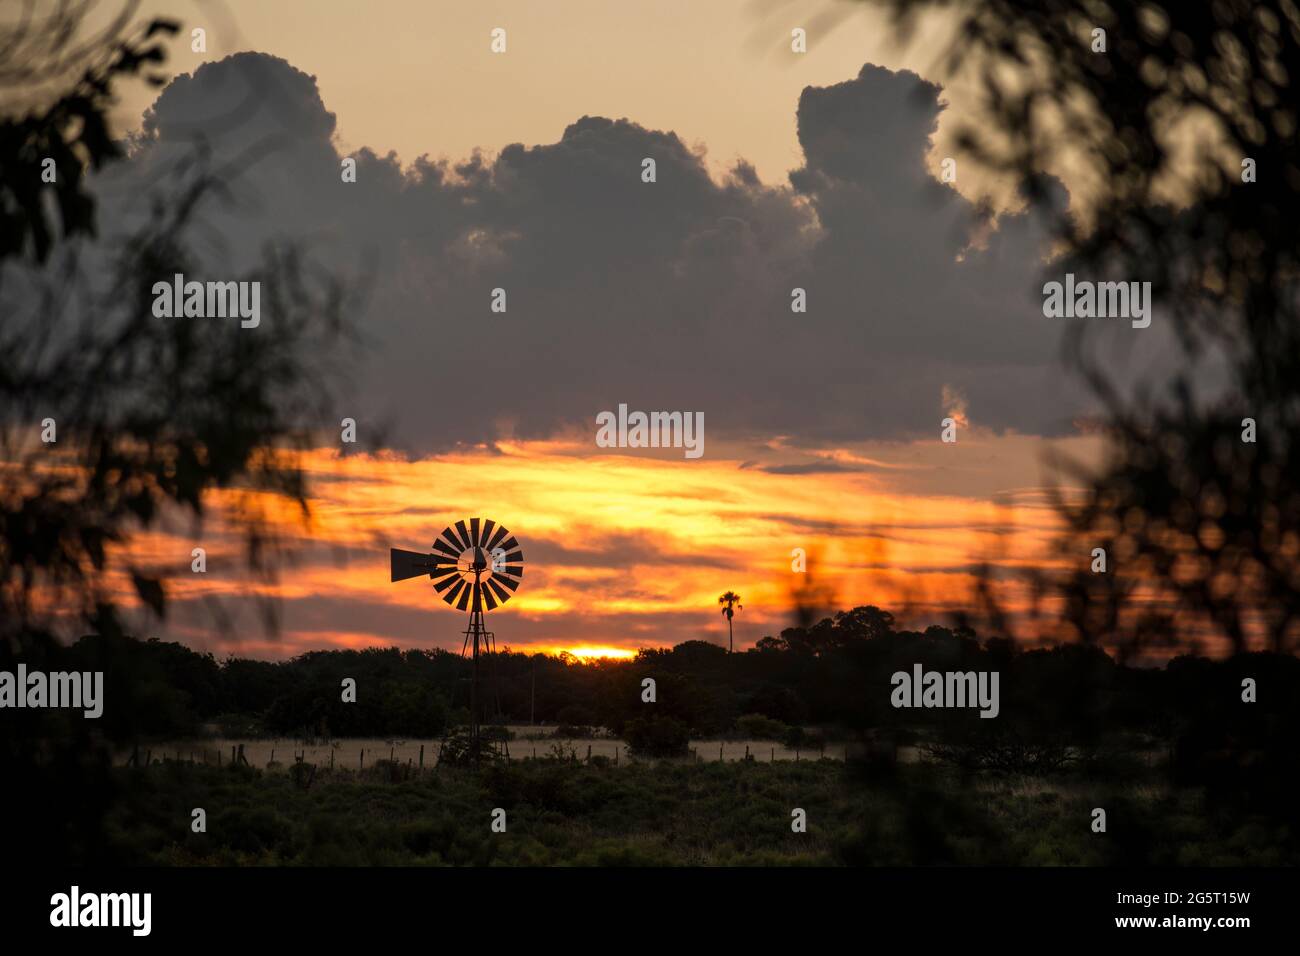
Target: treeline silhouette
{"points": [[1057, 704]]}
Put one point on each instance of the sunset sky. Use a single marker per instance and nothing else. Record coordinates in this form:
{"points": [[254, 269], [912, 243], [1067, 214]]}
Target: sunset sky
{"points": [[620, 552], [521, 171]]}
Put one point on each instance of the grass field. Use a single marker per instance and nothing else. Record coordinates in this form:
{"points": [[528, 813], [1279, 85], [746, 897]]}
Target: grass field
{"points": [[669, 813]]}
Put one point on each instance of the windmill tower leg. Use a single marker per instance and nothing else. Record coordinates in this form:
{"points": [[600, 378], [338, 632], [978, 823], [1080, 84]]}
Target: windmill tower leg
{"points": [[475, 630]]}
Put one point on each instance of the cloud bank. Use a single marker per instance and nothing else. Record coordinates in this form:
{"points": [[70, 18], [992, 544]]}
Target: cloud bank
{"points": [[674, 294]]}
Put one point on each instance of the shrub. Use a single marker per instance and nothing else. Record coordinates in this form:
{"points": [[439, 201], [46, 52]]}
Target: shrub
{"points": [[459, 750], [761, 728], [657, 737]]}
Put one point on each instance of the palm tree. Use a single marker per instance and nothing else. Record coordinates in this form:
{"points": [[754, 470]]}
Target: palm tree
{"points": [[730, 602]]}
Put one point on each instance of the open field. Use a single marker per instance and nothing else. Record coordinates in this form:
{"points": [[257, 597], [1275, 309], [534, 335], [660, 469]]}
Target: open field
{"points": [[348, 752], [671, 813]]}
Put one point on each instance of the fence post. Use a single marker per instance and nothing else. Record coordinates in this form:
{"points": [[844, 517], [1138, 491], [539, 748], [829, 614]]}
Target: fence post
{"points": [[588, 753], [272, 760], [719, 751], [331, 758], [421, 756], [773, 755]]}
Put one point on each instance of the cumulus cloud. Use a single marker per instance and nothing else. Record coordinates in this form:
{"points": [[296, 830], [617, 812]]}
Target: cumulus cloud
{"points": [[668, 295]]}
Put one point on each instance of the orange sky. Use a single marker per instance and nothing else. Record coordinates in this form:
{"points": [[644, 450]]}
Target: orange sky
{"points": [[621, 551]]}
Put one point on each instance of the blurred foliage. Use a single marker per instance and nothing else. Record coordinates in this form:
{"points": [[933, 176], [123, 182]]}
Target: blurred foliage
{"points": [[1202, 529], [152, 414]]}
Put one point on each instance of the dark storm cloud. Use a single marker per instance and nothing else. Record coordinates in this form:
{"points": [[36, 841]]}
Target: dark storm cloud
{"points": [[673, 295]]}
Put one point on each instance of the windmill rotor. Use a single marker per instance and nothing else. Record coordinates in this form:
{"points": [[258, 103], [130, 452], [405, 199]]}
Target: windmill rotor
{"points": [[474, 567]]}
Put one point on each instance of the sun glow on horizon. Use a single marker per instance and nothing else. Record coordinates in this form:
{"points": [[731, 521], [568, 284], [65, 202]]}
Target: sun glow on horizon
{"points": [[588, 653]]}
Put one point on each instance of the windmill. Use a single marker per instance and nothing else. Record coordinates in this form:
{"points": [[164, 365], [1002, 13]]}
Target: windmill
{"points": [[475, 569]]}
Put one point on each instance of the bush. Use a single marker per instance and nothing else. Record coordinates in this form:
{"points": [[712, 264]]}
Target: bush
{"points": [[657, 737], [761, 728], [459, 750]]}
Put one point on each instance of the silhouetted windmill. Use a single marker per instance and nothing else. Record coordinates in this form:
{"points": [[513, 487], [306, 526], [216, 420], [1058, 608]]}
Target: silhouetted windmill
{"points": [[474, 568]]}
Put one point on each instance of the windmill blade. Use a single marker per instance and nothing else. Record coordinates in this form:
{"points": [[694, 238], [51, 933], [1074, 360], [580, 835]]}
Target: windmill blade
{"points": [[514, 570], [463, 603], [446, 582], [450, 596], [496, 538], [487, 596], [464, 534], [408, 564], [515, 557], [508, 582], [488, 525], [447, 549], [473, 531], [509, 544], [499, 591]]}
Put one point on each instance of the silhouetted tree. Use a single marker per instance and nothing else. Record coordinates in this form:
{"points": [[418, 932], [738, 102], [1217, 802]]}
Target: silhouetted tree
{"points": [[730, 602]]}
